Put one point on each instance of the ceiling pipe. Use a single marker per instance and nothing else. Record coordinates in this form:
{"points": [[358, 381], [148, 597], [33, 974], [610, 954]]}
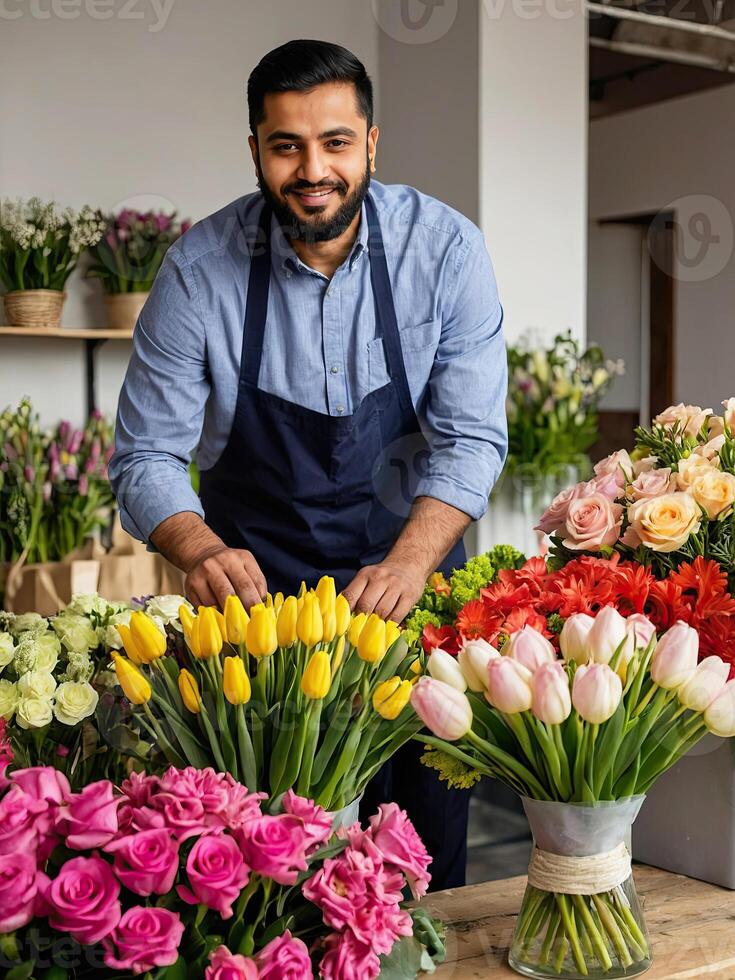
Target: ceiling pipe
{"points": [[671, 23], [663, 54]]}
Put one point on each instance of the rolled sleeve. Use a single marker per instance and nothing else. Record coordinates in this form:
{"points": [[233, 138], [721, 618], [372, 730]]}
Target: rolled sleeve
{"points": [[162, 403], [464, 414]]}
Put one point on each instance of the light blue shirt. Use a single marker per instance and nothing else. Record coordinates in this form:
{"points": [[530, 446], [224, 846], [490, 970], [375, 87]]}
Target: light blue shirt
{"points": [[320, 350]]}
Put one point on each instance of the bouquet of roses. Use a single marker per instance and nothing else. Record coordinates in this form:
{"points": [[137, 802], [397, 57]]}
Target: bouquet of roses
{"points": [[581, 738], [297, 694], [670, 501], [188, 874]]}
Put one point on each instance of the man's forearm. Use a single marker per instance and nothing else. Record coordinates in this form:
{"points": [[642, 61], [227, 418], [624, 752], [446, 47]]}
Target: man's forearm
{"points": [[186, 540], [432, 529]]}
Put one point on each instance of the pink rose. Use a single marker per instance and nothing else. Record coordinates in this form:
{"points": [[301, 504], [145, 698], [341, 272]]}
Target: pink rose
{"points": [[618, 464], [89, 818], [83, 899], [403, 850], [276, 847], [652, 483], [43, 782], [17, 889], [225, 965], [216, 872], [555, 516], [317, 822], [185, 818], [18, 815], [139, 788], [608, 484], [284, 958], [592, 523], [144, 939], [146, 862], [348, 959]]}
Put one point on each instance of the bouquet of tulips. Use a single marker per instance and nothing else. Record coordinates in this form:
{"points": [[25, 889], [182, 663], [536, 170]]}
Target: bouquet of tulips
{"points": [[298, 694], [581, 738], [190, 875]]}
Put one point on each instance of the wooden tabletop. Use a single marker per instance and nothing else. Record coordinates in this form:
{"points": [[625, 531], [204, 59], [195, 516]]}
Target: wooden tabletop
{"points": [[691, 925]]}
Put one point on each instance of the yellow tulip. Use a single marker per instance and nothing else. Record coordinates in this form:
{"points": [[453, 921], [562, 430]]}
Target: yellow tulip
{"points": [[415, 667], [186, 618], [371, 643], [268, 600], [149, 640], [317, 676], [343, 613], [236, 620], [330, 626], [392, 632], [391, 697], [356, 626], [262, 637], [302, 590], [286, 624], [278, 602], [220, 623], [309, 626], [339, 652], [193, 638], [235, 682], [208, 633], [327, 594], [189, 691], [131, 647], [135, 686]]}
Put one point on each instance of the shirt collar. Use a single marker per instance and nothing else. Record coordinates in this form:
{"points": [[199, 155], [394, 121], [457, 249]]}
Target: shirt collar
{"points": [[285, 259]]}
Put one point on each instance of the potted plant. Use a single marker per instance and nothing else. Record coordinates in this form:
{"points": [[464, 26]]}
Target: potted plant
{"points": [[127, 259], [40, 246]]}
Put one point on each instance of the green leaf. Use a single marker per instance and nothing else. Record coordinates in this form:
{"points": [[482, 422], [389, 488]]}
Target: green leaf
{"points": [[404, 961], [178, 971], [23, 971]]}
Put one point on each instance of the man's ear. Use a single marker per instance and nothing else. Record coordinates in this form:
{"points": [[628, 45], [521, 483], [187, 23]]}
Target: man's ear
{"points": [[373, 146], [253, 143]]}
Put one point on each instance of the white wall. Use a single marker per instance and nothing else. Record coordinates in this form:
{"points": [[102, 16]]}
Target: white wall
{"points": [[99, 111], [533, 160], [681, 152]]}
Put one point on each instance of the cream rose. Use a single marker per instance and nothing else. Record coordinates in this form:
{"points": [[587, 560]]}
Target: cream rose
{"points": [[714, 492], [690, 469], [76, 632], [691, 418], [47, 649], [36, 684], [74, 702], [34, 712], [7, 649], [664, 523], [8, 699], [653, 483], [592, 523], [166, 607]]}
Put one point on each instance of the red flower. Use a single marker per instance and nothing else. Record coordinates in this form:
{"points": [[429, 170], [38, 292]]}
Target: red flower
{"points": [[705, 585], [441, 637], [631, 587], [717, 637], [525, 616], [666, 604], [505, 595], [478, 620]]}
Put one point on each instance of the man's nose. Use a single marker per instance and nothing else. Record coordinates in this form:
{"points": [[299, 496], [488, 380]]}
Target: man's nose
{"points": [[313, 167]]}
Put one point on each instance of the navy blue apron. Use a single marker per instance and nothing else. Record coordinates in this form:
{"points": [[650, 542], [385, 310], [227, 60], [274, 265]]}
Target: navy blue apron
{"points": [[313, 494]]}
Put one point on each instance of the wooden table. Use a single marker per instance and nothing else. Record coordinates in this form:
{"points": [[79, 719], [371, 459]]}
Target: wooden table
{"points": [[691, 924]]}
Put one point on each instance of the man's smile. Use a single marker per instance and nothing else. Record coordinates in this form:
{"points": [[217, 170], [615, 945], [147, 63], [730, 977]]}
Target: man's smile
{"points": [[314, 198]]}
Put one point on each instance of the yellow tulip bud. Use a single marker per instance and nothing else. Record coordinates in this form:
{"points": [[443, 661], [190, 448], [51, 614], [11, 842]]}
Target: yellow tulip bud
{"points": [[391, 697], [189, 691], [339, 652], [356, 627], [317, 676], [186, 618], [208, 633], [302, 590], [343, 613], [193, 638], [415, 667], [286, 624], [149, 640], [330, 626], [392, 632], [262, 638], [268, 600], [371, 643], [235, 682], [131, 647], [327, 594], [236, 620], [309, 626], [135, 686], [278, 602]]}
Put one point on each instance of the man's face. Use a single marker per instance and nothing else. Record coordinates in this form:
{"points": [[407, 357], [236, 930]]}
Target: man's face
{"points": [[312, 156]]}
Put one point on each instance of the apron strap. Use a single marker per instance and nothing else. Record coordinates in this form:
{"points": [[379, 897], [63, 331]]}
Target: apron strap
{"points": [[256, 311]]}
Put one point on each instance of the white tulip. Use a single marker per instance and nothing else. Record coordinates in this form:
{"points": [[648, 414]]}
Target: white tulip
{"points": [[596, 692], [573, 638], [699, 691], [443, 667], [720, 715], [473, 660], [675, 657], [606, 635], [528, 647]]}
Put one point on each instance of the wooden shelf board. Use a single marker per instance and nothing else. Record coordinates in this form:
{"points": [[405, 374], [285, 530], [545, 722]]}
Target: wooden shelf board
{"points": [[66, 333]]}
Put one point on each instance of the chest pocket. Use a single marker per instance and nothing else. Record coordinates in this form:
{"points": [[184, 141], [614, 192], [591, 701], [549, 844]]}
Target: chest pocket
{"points": [[418, 343]]}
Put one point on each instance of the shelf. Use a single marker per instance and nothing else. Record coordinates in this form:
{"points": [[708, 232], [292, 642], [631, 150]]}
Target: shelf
{"points": [[66, 334]]}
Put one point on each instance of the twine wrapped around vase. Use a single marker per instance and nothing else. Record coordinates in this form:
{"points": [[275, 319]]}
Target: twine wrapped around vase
{"points": [[34, 307]]}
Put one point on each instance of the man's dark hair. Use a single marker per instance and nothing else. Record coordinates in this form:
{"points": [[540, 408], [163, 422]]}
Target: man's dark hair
{"points": [[298, 66]]}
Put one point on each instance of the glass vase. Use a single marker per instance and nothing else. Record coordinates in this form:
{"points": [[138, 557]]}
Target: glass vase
{"points": [[580, 915]]}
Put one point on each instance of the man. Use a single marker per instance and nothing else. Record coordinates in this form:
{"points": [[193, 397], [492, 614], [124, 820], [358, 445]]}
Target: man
{"points": [[332, 350]]}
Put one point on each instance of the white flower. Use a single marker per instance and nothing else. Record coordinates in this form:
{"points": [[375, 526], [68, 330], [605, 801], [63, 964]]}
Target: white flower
{"points": [[74, 702], [28, 622], [34, 712], [8, 699], [112, 639], [166, 608], [47, 648], [76, 632], [36, 684], [7, 650]]}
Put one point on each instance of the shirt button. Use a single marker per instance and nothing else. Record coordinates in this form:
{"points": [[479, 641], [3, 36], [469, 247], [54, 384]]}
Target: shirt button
{"points": [[288, 273], [330, 290], [340, 410], [334, 369]]}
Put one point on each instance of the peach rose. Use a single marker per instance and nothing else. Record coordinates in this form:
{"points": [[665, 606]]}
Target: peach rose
{"points": [[652, 483], [709, 450], [554, 517], [716, 426], [618, 464], [729, 406], [714, 492], [592, 523], [690, 469], [691, 418], [663, 523], [644, 465], [608, 484]]}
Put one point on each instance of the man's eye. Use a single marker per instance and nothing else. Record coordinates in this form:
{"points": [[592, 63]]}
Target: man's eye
{"points": [[285, 147], [337, 143]]}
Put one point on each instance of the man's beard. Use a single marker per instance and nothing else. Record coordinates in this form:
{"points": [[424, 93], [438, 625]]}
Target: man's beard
{"points": [[318, 229]]}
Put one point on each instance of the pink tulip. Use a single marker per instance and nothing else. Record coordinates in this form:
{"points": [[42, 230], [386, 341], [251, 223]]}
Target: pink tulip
{"points": [[573, 638], [528, 647], [606, 635], [675, 657], [720, 715], [596, 692], [640, 629], [443, 709], [700, 690], [552, 702], [443, 667], [473, 660], [509, 685]]}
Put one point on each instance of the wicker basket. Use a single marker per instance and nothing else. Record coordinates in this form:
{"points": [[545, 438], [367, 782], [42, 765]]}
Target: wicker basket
{"points": [[123, 309], [34, 307]]}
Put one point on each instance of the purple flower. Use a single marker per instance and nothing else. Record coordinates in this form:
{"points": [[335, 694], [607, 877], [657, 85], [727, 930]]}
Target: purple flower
{"points": [[47, 489], [71, 471], [83, 485], [75, 442], [29, 473], [162, 222], [185, 226]]}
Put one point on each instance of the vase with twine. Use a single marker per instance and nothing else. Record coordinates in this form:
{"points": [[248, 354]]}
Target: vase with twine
{"points": [[39, 248], [127, 259]]}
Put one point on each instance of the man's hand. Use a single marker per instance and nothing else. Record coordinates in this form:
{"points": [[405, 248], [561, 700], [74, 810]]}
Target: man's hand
{"points": [[389, 589], [229, 571]]}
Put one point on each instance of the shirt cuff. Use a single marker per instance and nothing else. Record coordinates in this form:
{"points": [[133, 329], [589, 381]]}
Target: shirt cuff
{"points": [[142, 516], [473, 504]]}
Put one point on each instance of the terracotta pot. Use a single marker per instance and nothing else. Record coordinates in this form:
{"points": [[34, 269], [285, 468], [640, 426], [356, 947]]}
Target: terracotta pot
{"points": [[34, 307], [123, 309]]}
